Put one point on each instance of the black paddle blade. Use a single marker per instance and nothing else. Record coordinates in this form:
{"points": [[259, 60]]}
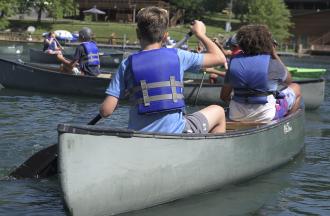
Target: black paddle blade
{"points": [[42, 164]]}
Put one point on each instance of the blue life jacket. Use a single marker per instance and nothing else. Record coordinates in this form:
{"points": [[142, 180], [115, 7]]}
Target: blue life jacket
{"points": [[158, 86], [51, 46], [92, 54], [248, 75]]}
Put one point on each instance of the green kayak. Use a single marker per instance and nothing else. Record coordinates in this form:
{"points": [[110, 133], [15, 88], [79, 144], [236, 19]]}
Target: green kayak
{"points": [[307, 72]]}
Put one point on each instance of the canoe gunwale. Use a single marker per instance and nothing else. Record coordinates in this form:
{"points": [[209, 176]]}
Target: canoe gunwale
{"points": [[34, 66], [303, 80], [310, 80], [127, 133]]}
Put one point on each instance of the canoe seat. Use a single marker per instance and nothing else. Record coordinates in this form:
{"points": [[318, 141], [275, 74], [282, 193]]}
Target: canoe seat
{"points": [[232, 125], [104, 75], [188, 81]]}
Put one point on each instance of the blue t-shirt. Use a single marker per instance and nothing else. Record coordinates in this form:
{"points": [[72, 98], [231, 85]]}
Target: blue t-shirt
{"points": [[122, 81]]}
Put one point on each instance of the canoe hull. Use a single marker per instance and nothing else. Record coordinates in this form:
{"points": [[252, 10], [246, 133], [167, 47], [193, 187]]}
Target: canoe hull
{"points": [[104, 172], [312, 92], [107, 60], [20, 76]]}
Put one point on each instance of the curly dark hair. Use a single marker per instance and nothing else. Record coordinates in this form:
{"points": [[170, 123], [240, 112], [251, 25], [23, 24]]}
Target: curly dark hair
{"points": [[255, 39]]}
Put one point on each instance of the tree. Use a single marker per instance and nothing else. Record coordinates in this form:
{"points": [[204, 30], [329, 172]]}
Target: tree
{"points": [[56, 8], [214, 5], [6, 9], [23, 6], [60, 8], [188, 9], [272, 13], [240, 9]]}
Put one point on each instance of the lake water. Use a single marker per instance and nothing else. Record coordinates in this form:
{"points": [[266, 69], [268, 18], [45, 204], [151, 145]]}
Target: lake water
{"points": [[28, 123]]}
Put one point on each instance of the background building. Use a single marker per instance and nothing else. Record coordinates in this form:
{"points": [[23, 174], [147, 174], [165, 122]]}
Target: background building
{"points": [[119, 10], [311, 19]]}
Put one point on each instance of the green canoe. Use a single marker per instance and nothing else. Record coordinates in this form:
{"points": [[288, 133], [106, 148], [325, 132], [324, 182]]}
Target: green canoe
{"points": [[307, 72]]}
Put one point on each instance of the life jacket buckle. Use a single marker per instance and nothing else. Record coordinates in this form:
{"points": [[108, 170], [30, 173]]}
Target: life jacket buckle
{"points": [[173, 88], [145, 95]]}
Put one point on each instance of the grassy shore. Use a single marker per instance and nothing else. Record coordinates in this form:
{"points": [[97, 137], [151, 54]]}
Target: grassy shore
{"points": [[103, 30]]}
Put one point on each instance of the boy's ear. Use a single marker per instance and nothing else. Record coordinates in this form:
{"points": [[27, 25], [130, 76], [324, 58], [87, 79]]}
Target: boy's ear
{"points": [[165, 36]]}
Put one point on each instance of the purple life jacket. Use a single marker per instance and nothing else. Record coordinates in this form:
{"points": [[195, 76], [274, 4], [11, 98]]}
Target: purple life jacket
{"points": [[92, 54], [51, 46], [158, 86]]}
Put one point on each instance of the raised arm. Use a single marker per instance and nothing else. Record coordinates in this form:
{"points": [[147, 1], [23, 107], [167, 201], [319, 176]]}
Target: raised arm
{"points": [[213, 56], [274, 55]]}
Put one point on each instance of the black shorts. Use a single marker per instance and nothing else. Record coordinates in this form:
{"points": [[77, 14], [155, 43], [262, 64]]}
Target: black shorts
{"points": [[196, 123]]}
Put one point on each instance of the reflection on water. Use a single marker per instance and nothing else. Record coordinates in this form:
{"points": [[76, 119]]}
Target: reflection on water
{"points": [[28, 123]]}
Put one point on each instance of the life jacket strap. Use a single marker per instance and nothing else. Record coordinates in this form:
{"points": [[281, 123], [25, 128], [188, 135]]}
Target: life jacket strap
{"points": [[145, 86], [145, 95], [173, 88], [146, 101], [90, 58], [159, 85]]}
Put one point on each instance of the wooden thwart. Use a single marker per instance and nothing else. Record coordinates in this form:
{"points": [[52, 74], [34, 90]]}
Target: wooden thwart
{"points": [[232, 125]]}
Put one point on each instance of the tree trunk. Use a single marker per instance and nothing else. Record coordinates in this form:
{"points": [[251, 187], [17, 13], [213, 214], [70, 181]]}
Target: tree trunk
{"points": [[39, 14], [177, 16]]}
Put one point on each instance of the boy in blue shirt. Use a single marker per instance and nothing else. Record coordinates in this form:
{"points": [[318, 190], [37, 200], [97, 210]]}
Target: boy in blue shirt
{"points": [[153, 79]]}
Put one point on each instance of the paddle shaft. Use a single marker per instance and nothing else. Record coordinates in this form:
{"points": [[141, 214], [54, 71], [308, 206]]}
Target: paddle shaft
{"points": [[199, 88], [183, 40], [58, 43], [43, 164]]}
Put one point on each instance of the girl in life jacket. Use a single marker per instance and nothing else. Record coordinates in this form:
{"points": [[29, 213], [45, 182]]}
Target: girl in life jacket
{"points": [[254, 76], [51, 45]]}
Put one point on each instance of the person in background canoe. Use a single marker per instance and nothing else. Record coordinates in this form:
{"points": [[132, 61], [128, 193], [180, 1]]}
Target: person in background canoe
{"points": [[154, 78], [213, 72], [86, 59], [232, 49], [254, 76], [52, 46]]}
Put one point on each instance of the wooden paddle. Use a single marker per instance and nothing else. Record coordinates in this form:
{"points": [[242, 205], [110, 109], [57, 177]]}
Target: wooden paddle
{"points": [[43, 164]]}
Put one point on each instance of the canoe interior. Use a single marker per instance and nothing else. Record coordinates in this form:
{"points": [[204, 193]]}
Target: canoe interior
{"points": [[236, 126], [104, 74]]}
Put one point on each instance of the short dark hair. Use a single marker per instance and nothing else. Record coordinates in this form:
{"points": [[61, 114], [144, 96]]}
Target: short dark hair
{"points": [[255, 39], [152, 23]]}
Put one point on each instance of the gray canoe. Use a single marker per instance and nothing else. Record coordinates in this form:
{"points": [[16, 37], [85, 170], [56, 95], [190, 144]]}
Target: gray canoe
{"points": [[106, 59], [106, 171], [45, 79], [312, 92]]}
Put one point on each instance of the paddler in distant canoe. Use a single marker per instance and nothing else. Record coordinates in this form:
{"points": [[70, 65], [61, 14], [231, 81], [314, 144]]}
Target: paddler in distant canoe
{"points": [[86, 59], [53, 47]]}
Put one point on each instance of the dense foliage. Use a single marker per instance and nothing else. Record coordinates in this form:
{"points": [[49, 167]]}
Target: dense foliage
{"points": [[274, 14], [270, 12], [6, 9]]}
